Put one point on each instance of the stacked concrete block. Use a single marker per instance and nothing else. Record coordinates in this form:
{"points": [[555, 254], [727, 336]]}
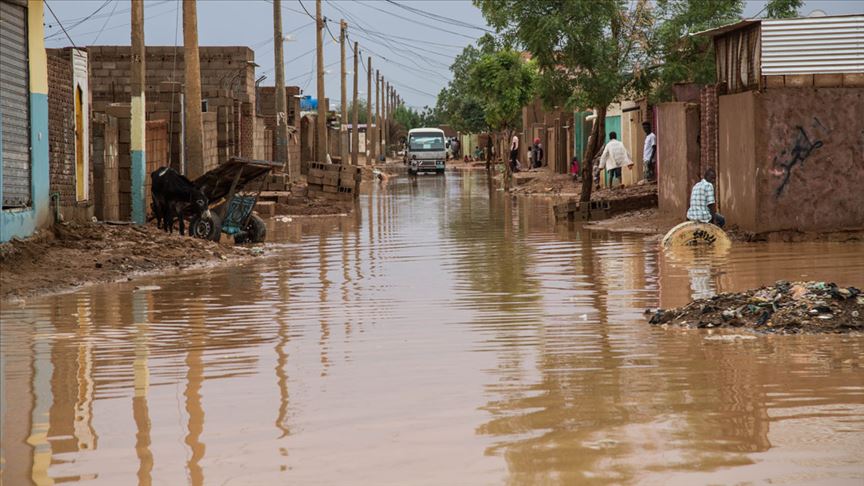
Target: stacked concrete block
{"points": [[211, 142], [333, 181], [227, 84]]}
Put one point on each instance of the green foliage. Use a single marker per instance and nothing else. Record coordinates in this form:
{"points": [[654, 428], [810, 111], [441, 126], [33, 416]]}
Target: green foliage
{"points": [[361, 115], [409, 118], [456, 104], [782, 9], [678, 56], [587, 51], [503, 83]]}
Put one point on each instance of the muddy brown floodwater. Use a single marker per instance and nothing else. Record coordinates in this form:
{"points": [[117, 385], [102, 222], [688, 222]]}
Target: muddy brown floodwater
{"points": [[444, 334]]}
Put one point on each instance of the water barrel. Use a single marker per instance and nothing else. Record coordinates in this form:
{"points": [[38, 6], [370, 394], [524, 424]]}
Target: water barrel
{"points": [[692, 233]]}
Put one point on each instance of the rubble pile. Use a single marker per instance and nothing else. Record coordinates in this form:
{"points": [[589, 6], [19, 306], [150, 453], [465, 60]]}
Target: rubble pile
{"points": [[785, 307]]}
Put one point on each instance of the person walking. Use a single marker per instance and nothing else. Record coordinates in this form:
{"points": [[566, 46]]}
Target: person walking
{"points": [[649, 151], [703, 207], [514, 154], [614, 157]]}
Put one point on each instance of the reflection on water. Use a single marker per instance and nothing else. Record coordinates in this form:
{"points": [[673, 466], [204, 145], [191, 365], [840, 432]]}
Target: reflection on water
{"points": [[444, 334]]}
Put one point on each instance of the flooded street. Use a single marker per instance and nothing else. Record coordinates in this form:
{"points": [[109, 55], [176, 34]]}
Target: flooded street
{"points": [[444, 334]]}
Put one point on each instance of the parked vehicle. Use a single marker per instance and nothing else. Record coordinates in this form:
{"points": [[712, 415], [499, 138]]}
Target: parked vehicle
{"points": [[426, 151]]}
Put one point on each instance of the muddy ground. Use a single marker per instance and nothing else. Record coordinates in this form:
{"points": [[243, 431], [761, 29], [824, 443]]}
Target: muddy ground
{"points": [[785, 307], [73, 255]]}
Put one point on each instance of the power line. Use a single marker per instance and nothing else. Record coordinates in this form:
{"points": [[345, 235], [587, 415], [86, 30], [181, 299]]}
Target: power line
{"points": [[60, 24], [313, 17], [440, 18], [116, 26], [107, 19], [414, 21]]}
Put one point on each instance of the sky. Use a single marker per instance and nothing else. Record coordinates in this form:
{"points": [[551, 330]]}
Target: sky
{"points": [[412, 49]]}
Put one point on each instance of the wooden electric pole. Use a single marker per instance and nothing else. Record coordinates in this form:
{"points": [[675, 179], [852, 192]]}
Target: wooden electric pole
{"points": [[321, 123], [370, 141], [385, 120], [138, 134], [355, 132], [192, 64], [377, 112], [281, 155], [344, 120]]}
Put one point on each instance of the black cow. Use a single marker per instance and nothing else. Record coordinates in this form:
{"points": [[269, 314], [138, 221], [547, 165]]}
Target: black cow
{"points": [[174, 196]]}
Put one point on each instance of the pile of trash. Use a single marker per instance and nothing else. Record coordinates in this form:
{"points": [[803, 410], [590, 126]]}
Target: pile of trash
{"points": [[785, 307]]}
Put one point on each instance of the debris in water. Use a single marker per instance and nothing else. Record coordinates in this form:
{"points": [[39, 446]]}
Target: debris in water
{"points": [[729, 338], [139, 288], [808, 307]]}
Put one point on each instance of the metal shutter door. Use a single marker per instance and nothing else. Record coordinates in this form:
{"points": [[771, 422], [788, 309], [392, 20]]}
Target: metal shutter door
{"points": [[14, 105]]}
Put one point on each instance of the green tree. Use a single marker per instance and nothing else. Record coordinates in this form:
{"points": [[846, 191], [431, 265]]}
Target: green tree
{"points": [[458, 106], [408, 118], [782, 9], [677, 56], [361, 115], [589, 53], [503, 82]]}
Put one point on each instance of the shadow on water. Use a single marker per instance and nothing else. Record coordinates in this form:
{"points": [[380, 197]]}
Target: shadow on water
{"points": [[444, 333]]}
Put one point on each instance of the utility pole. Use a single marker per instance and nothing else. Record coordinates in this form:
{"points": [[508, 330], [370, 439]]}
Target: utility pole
{"points": [[281, 155], [384, 118], [194, 123], [370, 140], [138, 121], [355, 133], [344, 120], [377, 111], [321, 152]]}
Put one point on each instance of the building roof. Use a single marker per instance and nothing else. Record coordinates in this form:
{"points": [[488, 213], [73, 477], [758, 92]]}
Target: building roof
{"points": [[726, 28], [748, 22]]}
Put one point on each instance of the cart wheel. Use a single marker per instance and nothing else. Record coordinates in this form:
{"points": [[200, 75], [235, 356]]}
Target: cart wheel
{"points": [[206, 228], [255, 231]]}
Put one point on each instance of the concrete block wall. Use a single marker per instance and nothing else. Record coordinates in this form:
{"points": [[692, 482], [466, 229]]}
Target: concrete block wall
{"points": [[211, 142], [227, 77]]}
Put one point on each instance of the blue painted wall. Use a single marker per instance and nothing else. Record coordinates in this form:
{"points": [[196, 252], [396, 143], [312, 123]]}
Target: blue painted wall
{"points": [[21, 223]]}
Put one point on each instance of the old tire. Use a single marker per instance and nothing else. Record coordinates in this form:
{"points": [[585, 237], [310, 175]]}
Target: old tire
{"points": [[691, 233], [206, 228], [255, 231]]}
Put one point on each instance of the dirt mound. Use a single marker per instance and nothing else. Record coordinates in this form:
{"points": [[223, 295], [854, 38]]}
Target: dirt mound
{"points": [[71, 255], [785, 307]]}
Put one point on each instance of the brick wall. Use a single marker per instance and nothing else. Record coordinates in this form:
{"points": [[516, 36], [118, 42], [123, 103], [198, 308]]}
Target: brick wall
{"points": [[211, 143], [708, 127], [61, 125]]}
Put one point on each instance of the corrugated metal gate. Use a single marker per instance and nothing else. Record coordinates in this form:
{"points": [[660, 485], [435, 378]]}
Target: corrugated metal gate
{"points": [[813, 45], [14, 105]]}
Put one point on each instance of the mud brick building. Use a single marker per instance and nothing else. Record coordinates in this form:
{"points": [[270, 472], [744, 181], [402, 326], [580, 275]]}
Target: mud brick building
{"points": [[781, 127]]}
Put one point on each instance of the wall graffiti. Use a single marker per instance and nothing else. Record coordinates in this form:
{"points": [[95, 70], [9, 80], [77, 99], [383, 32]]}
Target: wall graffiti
{"points": [[801, 149]]}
